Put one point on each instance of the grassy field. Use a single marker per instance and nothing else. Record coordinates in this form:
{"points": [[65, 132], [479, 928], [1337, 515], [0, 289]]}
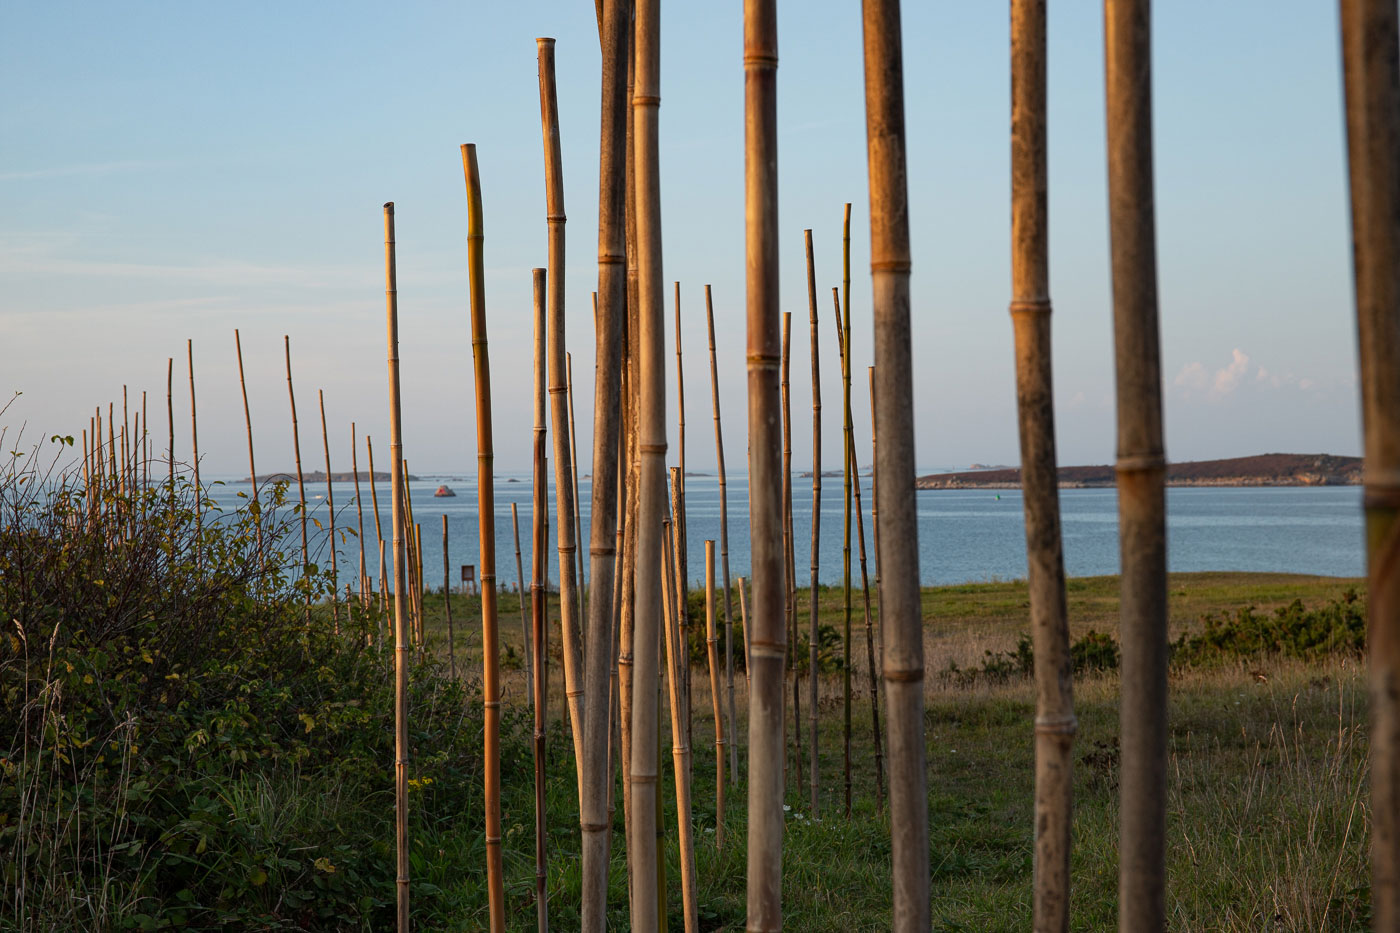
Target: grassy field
{"points": [[1267, 816]]}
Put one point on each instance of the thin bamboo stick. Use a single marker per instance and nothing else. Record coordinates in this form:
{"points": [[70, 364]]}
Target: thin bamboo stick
{"points": [[401, 658], [420, 584], [769, 641], [170, 451], [875, 516], [681, 532], [194, 453], [1141, 468], [1055, 723], [1369, 39], [723, 542], [899, 597], [651, 448], [844, 310], [383, 588], [789, 564], [415, 566], [632, 347], [539, 541], [447, 604], [744, 627], [330, 509], [359, 508], [712, 640], [812, 599], [301, 484], [674, 556], [255, 505], [680, 746], [566, 503], [872, 665], [524, 623], [578, 512], [145, 453], [486, 519], [378, 533], [125, 455]]}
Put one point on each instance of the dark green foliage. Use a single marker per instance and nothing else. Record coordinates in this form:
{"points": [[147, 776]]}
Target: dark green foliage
{"points": [[1339, 627]]}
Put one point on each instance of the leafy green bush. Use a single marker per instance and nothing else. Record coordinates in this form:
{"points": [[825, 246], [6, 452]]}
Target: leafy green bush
{"points": [[1339, 627]]}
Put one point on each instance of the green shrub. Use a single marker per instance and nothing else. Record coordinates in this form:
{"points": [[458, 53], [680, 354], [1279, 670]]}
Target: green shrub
{"points": [[1339, 627]]}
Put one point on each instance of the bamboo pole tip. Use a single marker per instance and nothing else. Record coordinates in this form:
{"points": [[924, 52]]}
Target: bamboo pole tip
{"points": [[388, 207], [544, 42]]}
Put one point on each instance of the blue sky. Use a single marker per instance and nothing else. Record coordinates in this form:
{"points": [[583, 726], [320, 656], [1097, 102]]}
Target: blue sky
{"points": [[174, 170]]}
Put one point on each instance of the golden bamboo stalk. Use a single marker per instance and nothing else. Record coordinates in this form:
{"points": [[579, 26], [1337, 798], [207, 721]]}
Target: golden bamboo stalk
{"points": [[632, 347], [1369, 38], [419, 584], [378, 532], [170, 451], [712, 641], [680, 747], [486, 519], [578, 516], [875, 515], [565, 501], [301, 484], [680, 531], [384, 588], [900, 597], [145, 453], [252, 467], [871, 663], [1141, 468], [359, 508], [812, 600], [539, 541], [723, 541], [844, 311], [768, 646], [744, 628], [194, 453], [447, 604], [789, 562], [673, 554], [401, 649], [415, 567], [651, 446], [520, 593], [1055, 723], [330, 510]]}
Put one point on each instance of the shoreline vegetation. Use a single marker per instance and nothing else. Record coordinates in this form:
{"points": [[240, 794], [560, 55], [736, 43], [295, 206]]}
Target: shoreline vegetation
{"points": [[1260, 470]]}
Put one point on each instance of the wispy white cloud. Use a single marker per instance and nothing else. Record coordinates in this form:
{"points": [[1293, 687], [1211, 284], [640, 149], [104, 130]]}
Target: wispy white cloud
{"points": [[1228, 379]]}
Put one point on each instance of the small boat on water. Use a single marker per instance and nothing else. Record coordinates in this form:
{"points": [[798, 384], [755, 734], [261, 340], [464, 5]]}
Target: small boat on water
{"points": [[444, 492]]}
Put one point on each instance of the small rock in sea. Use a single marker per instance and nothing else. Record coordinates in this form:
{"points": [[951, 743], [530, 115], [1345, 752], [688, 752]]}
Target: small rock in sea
{"points": [[444, 492]]}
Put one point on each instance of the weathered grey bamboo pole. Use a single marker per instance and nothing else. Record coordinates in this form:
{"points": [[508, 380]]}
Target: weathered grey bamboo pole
{"points": [[899, 598], [447, 603], [712, 641], [812, 601], [723, 543], [769, 640], [1055, 723], [301, 483], [651, 447], [789, 566], [680, 746], [252, 467], [524, 623], [566, 504], [1141, 468], [330, 509], [359, 510], [539, 541], [1369, 40], [595, 817], [401, 649], [486, 522], [194, 454], [682, 541]]}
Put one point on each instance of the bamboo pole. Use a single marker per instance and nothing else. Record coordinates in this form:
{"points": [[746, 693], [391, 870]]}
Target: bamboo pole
{"points": [[378, 532], [194, 453], [524, 623], [844, 311], [631, 448], [415, 566], [401, 658], [768, 645], [680, 746], [674, 555], [1055, 723], [145, 453], [900, 597], [486, 518], [723, 542], [1369, 38], [566, 503], [447, 603], [681, 532], [539, 541], [875, 515], [359, 508], [255, 505], [712, 640], [578, 516], [812, 601], [789, 563], [301, 484], [419, 584], [651, 448], [744, 627], [170, 451], [539, 390], [383, 588], [330, 509], [1141, 468]]}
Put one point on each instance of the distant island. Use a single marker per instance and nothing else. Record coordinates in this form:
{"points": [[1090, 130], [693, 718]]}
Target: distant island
{"points": [[320, 477], [1261, 470]]}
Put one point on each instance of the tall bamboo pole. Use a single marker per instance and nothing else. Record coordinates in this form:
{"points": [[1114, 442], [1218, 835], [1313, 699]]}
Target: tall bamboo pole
{"points": [[578, 512], [296, 453], [712, 641], [605, 528], [252, 467], [145, 452], [651, 446], [875, 513], [566, 504], [769, 641], [680, 531], [486, 519], [359, 508], [723, 541], [539, 390], [1369, 39], [330, 509], [744, 628], [400, 569], [680, 746], [674, 555], [1141, 468], [789, 563], [1055, 723], [524, 623], [170, 451], [899, 597], [378, 530], [539, 541], [849, 465], [447, 603], [812, 601], [194, 453]]}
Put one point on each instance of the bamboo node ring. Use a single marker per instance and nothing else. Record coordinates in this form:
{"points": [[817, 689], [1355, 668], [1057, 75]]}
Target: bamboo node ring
{"points": [[603, 551], [492, 704], [642, 100], [643, 779], [593, 827], [763, 650], [1056, 725], [760, 59], [556, 218], [912, 675], [1030, 306], [652, 448], [1140, 463], [891, 265], [493, 840]]}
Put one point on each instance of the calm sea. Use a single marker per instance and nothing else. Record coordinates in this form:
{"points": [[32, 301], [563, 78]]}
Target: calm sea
{"points": [[964, 535]]}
